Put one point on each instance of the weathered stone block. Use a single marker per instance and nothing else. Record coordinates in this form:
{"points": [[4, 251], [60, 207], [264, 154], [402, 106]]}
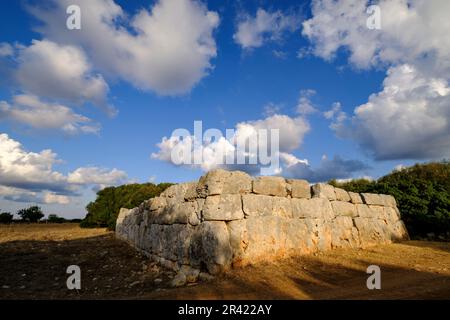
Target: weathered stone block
{"points": [[323, 190], [342, 195], [271, 186], [319, 208], [343, 233], [223, 207], [372, 198], [300, 188], [341, 208], [220, 181], [355, 198]]}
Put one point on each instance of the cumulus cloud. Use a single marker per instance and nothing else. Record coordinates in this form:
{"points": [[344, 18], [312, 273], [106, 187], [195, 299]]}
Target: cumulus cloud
{"points": [[50, 198], [213, 154], [96, 175], [56, 71], [411, 31], [31, 111], [409, 117], [30, 177], [6, 50], [167, 49], [254, 32]]}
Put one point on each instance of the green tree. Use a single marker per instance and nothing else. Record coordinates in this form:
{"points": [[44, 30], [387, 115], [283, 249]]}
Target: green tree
{"points": [[6, 217], [31, 214], [104, 210]]}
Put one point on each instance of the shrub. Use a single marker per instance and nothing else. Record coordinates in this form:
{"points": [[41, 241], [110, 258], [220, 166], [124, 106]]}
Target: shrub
{"points": [[53, 218]]}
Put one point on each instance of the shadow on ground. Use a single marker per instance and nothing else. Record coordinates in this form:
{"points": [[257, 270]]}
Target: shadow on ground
{"points": [[112, 270]]}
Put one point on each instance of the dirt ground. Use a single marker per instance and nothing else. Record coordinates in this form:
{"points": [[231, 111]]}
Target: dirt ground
{"points": [[34, 258]]}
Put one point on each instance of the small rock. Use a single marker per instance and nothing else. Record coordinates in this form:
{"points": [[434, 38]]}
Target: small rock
{"points": [[5, 287], [178, 281], [157, 281]]}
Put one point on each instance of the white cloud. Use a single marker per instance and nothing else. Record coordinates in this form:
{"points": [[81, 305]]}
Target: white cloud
{"points": [[411, 31], [95, 175], [55, 71], [167, 50], [50, 198], [253, 32], [409, 118], [30, 177], [305, 105], [213, 154], [29, 110]]}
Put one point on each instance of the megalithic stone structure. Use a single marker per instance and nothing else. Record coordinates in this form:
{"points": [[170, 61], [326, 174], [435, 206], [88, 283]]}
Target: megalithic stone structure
{"points": [[229, 219]]}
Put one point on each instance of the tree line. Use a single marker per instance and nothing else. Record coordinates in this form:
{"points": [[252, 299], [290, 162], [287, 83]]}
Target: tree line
{"points": [[32, 214]]}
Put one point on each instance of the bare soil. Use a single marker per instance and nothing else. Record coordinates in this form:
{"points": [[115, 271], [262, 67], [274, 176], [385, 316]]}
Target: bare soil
{"points": [[34, 259]]}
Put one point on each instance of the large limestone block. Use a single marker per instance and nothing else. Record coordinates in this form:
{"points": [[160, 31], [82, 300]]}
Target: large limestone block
{"points": [[238, 241], [398, 231], [341, 208], [262, 205], [391, 214], [157, 203], [319, 208], [210, 246], [223, 207], [377, 211], [176, 193], [300, 188], [182, 212], [373, 198], [355, 198], [298, 236], [344, 234], [342, 195], [191, 192], [271, 186], [257, 205], [220, 181], [319, 233], [323, 190], [265, 238], [123, 212], [364, 211], [282, 207], [389, 200], [372, 231]]}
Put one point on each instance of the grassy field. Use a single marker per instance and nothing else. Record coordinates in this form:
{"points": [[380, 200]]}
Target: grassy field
{"points": [[34, 259]]}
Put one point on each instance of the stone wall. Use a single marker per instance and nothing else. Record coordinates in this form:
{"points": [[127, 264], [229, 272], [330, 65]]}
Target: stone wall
{"points": [[231, 219]]}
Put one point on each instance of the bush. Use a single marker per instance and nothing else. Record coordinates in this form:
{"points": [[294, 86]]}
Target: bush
{"points": [[53, 218], [31, 214], [422, 193], [6, 217], [104, 210]]}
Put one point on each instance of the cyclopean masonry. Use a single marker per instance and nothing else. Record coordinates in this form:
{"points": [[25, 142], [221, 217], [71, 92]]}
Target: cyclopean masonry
{"points": [[229, 219]]}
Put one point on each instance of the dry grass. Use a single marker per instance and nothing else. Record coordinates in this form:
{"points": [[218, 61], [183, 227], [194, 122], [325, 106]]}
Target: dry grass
{"points": [[46, 232]]}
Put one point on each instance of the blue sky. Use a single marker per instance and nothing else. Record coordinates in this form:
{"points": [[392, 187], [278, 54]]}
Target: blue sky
{"points": [[221, 62]]}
